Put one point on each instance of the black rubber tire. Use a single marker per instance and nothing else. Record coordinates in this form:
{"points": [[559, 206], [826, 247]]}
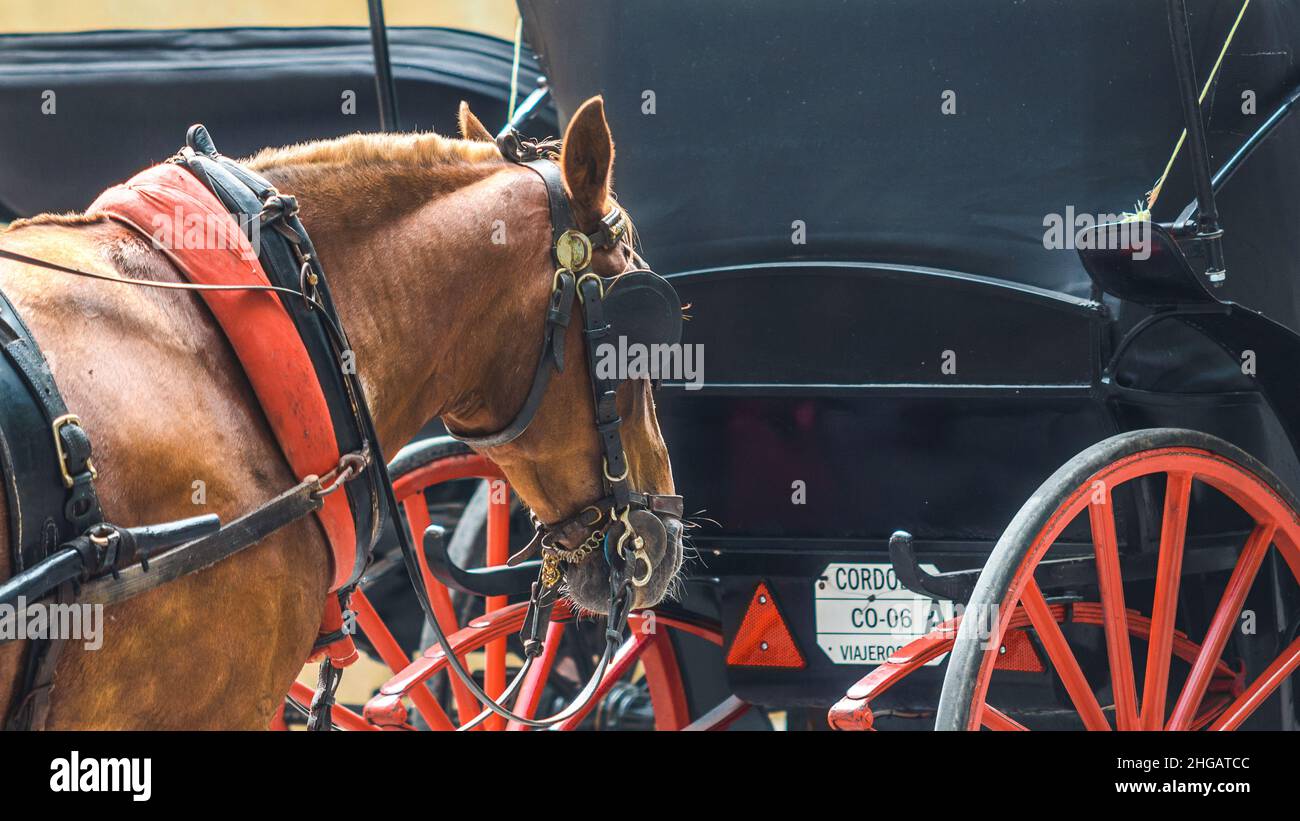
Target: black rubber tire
{"points": [[422, 452], [964, 663]]}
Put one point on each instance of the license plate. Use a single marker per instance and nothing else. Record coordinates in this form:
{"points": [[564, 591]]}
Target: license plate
{"points": [[862, 613]]}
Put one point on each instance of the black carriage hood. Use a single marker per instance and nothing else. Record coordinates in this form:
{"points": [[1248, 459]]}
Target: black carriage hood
{"points": [[769, 112], [82, 111]]}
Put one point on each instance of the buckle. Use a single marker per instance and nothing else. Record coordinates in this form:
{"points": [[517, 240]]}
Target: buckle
{"points": [[604, 466], [57, 425], [594, 277], [612, 227]]}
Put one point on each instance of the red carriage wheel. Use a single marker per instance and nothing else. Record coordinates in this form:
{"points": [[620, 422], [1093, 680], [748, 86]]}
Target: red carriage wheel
{"points": [[1179, 469], [648, 653], [648, 660]]}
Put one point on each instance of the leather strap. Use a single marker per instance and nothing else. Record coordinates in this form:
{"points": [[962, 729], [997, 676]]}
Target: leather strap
{"points": [[576, 530], [104, 548], [604, 393], [556, 197], [43, 495], [32, 709], [295, 503], [558, 315]]}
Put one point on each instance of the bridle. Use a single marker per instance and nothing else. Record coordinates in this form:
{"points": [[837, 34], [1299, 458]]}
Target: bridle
{"points": [[644, 305], [637, 304]]}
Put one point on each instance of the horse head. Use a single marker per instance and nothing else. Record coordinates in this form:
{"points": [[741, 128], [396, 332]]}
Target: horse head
{"points": [[559, 462]]}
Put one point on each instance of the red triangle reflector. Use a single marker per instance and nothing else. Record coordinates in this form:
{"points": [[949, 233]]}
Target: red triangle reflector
{"points": [[763, 640]]}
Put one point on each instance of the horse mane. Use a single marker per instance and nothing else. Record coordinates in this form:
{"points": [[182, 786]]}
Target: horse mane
{"points": [[440, 163], [449, 162], [395, 172], [420, 150], [70, 218]]}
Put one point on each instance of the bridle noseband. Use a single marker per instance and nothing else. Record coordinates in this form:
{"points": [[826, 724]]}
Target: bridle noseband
{"points": [[606, 315]]}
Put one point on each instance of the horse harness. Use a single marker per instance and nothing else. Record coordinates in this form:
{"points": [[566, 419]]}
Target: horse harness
{"points": [[643, 309], [60, 541], [640, 307], [62, 547]]}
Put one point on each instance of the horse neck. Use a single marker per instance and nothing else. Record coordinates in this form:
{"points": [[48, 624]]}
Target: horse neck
{"points": [[438, 292]]}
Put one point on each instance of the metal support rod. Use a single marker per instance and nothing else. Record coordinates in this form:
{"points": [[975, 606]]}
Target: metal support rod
{"points": [[384, 83], [528, 108], [1243, 153], [1209, 230]]}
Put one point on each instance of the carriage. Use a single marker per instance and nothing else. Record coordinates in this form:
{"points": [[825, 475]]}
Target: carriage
{"points": [[899, 355], [987, 434], [935, 395]]}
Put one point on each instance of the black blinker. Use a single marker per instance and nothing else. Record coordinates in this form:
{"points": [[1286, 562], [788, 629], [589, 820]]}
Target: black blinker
{"points": [[643, 307]]}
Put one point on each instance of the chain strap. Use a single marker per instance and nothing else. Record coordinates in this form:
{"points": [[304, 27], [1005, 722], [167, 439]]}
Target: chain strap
{"points": [[552, 556]]}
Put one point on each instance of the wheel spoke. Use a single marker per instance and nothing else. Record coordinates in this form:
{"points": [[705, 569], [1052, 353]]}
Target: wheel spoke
{"points": [[530, 692], [1258, 692], [664, 679], [1101, 515], [1173, 535], [417, 514], [1058, 650], [1225, 617], [720, 717], [995, 719], [498, 551], [393, 655]]}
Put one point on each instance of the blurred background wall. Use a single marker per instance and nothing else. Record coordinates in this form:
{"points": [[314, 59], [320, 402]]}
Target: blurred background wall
{"points": [[496, 17]]}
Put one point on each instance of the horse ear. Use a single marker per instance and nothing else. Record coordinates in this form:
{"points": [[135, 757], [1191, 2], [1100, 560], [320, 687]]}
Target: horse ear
{"points": [[588, 158], [470, 127]]}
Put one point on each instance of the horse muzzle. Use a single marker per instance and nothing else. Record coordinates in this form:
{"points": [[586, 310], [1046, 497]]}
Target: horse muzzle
{"points": [[652, 545]]}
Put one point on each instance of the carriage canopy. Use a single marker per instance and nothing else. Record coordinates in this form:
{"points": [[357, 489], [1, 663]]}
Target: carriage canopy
{"points": [[933, 132]]}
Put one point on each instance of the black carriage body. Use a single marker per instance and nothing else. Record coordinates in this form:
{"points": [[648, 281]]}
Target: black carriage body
{"points": [[921, 360]]}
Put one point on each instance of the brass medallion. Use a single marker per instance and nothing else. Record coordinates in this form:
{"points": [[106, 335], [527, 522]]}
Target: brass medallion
{"points": [[573, 250]]}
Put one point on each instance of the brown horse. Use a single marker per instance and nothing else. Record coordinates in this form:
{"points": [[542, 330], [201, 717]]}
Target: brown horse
{"points": [[443, 321]]}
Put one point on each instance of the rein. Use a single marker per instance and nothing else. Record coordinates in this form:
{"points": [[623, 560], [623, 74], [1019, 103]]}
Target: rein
{"points": [[331, 321]]}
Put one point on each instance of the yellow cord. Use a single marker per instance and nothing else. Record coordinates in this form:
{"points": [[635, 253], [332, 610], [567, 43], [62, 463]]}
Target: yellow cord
{"points": [[1144, 213], [514, 71]]}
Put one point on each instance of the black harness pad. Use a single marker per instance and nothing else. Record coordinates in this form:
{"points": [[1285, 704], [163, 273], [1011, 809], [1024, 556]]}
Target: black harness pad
{"points": [[643, 307]]}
